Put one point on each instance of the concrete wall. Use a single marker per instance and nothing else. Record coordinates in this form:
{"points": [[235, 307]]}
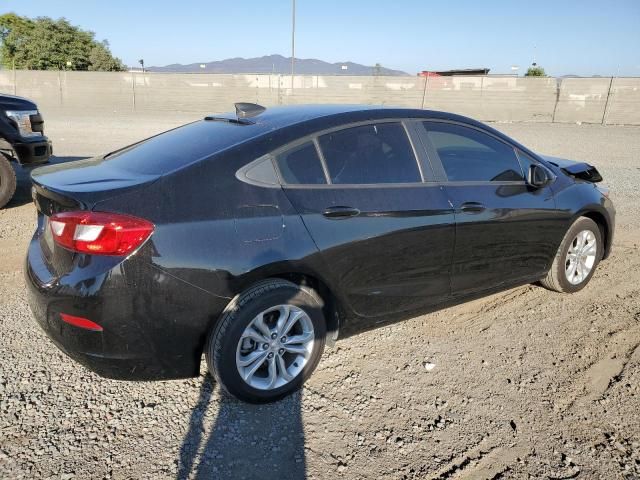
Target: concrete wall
{"points": [[588, 100]]}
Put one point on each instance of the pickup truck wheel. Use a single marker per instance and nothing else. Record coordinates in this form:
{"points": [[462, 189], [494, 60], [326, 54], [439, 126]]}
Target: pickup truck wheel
{"points": [[7, 181], [268, 341], [577, 258]]}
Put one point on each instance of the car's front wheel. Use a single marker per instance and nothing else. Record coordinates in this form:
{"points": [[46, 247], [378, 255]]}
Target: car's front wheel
{"points": [[577, 257], [268, 341]]}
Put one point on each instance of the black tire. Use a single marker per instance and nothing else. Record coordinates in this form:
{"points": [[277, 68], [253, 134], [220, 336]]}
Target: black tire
{"points": [[220, 350], [556, 278], [7, 181]]}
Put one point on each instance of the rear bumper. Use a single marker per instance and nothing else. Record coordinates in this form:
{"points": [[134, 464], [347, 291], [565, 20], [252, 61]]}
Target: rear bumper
{"points": [[148, 333]]}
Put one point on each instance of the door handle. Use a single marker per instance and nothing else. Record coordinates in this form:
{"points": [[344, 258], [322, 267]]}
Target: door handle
{"points": [[472, 207], [339, 213]]}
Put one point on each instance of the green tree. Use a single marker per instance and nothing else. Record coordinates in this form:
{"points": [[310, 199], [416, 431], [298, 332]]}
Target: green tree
{"points": [[101, 60], [46, 44], [13, 32], [535, 72]]}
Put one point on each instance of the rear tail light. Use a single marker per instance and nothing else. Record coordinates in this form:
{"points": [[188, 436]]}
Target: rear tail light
{"points": [[99, 233]]}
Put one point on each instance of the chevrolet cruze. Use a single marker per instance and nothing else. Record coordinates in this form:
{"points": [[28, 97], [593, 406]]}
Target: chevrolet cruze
{"points": [[257, 237]]}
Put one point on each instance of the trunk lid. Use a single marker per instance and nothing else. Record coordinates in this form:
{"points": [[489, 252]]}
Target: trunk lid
{"points": [[83, 183], [77, 185]]}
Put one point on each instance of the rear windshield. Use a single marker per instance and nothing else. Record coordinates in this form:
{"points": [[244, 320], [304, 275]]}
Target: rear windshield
{"points": [[182, 146]]}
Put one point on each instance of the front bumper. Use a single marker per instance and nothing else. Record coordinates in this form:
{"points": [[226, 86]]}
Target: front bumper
{"points": [[36, 152]]}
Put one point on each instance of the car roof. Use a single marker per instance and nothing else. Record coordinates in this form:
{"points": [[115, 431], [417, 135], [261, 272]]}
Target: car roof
{"points": [[284, 116], [306, 119], [270, 129]]}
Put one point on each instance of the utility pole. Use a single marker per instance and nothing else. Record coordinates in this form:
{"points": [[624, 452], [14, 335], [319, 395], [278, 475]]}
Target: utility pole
{"points": [[293, 40]]}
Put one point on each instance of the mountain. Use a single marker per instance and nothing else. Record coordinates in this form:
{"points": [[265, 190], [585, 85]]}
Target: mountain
{"points": [[276, 64]]}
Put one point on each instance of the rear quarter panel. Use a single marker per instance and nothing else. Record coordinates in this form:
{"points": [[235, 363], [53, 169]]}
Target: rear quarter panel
{"points": [[218, 233]]}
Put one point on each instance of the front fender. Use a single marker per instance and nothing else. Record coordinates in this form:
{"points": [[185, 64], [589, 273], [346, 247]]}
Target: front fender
{"points": [[580, 198]]}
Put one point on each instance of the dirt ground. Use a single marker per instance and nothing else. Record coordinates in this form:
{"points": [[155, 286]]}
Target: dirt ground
{"points": [[523, 384]]}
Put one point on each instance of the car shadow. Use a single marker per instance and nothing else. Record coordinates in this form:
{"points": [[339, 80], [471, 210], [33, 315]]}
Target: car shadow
{"points": [[23, 179], [245, 441]]}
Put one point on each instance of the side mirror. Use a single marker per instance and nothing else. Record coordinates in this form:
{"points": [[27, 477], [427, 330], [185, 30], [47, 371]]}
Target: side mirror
{"points": [[538, 176]]}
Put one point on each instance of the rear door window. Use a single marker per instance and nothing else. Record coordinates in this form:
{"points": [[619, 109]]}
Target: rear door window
{"points": [[370, 154], [301, 165], [468, 154]]}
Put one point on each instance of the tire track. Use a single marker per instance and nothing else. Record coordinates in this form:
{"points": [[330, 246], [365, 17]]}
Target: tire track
{"points": [[602, 374], [485, 460]]}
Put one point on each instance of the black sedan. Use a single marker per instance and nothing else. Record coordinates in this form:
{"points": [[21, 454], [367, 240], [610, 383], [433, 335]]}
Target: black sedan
{"points": [[259, 236]]}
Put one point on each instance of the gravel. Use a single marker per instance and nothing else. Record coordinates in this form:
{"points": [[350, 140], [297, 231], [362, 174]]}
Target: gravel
{"points": [[522, 384]]}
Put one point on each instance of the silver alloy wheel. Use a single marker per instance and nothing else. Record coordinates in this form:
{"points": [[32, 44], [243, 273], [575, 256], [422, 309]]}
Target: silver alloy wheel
{"points": [[275, 347], [581, 257]]}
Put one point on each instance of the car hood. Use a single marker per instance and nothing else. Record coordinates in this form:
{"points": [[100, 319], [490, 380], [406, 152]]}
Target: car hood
{"points": [[11, 102], [581, 170]]}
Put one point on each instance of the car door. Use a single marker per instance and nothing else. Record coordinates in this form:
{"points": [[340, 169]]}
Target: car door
{"points": [[506, 230], [386, 235]]}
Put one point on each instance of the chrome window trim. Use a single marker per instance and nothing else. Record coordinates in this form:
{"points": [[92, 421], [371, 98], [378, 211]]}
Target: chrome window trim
{"points": [[241, 173], [420, 132], [480, 183], [336, 186], [413, 149], [424, 159], [323, 162], [433, 151], [314, 138]]}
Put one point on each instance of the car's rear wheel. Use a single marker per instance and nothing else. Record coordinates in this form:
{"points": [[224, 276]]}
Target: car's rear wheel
{"points": [[577, 258], [7, 181], [268, 341]]}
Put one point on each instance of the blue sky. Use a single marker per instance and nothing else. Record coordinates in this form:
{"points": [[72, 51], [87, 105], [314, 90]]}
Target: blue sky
{"points": [[570, 37]]}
